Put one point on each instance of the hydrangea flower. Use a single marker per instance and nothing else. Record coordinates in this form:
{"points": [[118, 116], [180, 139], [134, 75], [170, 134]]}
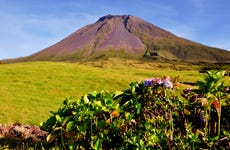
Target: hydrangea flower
{"points": [[202, 118], [148, 82], [158, 81], [166, 78], [168, 84]]}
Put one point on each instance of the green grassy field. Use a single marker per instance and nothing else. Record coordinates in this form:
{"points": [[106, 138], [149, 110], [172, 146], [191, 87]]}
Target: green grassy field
{"points": [[29, 91]]}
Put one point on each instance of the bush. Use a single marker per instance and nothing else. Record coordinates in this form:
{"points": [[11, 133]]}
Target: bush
{"points": [[150, 114]]}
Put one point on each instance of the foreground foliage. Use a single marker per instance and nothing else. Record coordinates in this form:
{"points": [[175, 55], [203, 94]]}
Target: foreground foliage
{"points": [[150, 114]]}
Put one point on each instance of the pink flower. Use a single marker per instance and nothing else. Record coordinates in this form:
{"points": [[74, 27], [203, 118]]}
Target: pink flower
{"points": [[166, 78], [157, 81], [168, 84]]}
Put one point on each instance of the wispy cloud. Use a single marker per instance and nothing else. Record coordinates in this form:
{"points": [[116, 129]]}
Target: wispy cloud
{"points": [[33, 32], [183, 30]]}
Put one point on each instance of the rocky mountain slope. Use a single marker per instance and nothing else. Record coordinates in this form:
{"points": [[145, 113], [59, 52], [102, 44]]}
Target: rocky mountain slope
{"points": [[128, 37]]}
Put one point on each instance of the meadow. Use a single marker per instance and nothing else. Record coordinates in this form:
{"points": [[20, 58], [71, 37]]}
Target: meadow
{"points": [[30, 90]]}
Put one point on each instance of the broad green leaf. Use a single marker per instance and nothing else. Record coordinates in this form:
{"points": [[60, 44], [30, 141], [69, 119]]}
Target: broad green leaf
{"points": [[97, 145], [108, 102], [153, 138], [147, 125], [58, 118], [92, 94], [133, 90], [91, 113], [72, 147], [66, 119], [138, 107], [69, 126], [98, 103], [117, 94], [85, 99], [128, 116], [104, 108], [83, 128]]}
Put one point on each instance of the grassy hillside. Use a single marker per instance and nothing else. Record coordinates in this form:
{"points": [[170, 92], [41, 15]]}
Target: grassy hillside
{"points": [[29, 91]]}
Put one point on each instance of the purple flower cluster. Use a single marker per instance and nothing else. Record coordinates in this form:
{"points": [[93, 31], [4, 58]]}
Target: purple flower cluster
{"points": [[158, 81]]}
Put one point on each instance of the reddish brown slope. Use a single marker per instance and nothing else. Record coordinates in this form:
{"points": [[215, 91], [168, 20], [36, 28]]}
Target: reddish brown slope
{"points": [[108, 32], [118, 36]]}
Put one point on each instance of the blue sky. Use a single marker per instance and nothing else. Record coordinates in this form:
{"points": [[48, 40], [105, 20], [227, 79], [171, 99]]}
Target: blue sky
{"points": [[27, 26]]}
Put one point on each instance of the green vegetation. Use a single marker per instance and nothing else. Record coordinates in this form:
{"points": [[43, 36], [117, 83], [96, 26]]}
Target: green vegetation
{"points": [[150, 114], [29, 91]]}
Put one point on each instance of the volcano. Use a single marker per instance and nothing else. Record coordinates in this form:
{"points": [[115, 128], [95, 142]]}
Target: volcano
{"points": [[126, 36]]}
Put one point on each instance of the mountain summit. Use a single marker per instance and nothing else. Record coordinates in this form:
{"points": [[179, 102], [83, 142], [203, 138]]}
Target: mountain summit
{"points": [[126, 36]]}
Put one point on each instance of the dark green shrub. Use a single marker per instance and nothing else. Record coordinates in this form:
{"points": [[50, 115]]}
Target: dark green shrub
{"points": [[150, 114]]}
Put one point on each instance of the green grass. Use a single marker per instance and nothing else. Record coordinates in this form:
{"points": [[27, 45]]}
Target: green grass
{"points": [[29, 91]]}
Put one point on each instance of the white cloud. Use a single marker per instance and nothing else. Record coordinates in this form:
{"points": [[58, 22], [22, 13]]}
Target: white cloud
{"points": [[23, 34], [183, 30]]}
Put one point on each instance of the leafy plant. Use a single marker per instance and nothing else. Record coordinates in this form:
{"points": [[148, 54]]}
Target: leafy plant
{"points": [[150, 114], [205, 107]]}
